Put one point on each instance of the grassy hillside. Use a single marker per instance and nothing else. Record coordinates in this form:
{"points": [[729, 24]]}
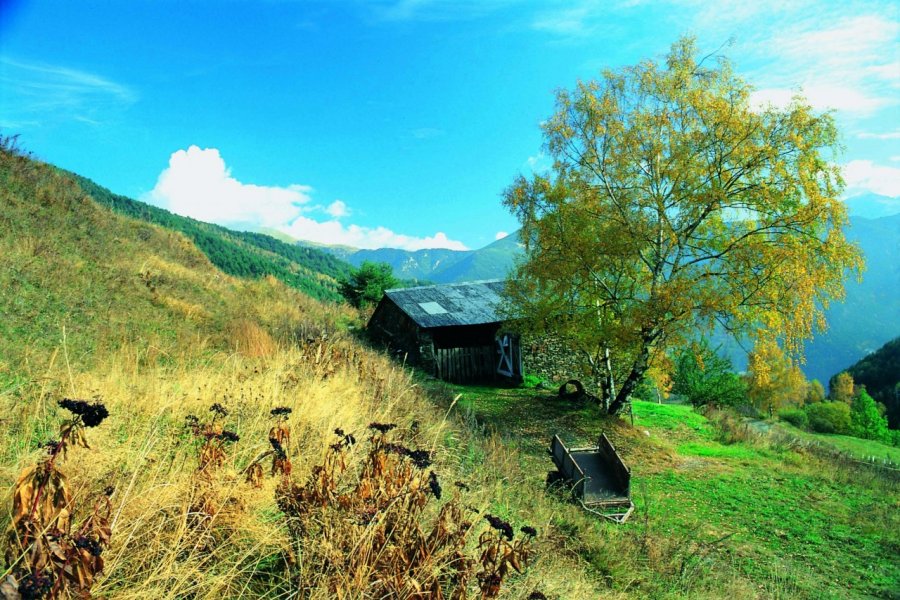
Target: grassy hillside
{"points": [[99, 306], [239, 253], [75, 270]]}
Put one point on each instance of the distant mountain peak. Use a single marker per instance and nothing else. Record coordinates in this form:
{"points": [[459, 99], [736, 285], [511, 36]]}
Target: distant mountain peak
{"points": [[872, 206]]}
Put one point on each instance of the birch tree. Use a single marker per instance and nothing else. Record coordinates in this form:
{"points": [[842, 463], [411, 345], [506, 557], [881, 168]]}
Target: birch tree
{"points": [[672, 207]]}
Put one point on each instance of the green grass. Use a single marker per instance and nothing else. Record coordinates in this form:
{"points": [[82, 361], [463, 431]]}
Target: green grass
{"points": [[239, 253], [856, 447], [671, 417], [715, 450], [751, 516]]}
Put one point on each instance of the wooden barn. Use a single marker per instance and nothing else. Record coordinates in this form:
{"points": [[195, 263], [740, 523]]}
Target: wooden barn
{"points": [[452, 331]]}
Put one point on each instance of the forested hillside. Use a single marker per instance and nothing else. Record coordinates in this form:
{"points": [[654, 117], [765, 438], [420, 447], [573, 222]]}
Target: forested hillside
{"points": [[239, 253], [880, 373]]}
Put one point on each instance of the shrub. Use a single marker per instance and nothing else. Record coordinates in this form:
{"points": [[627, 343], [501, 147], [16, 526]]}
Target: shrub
{"points": [[829, 417], [533, 381], [815, 392], [704, 377], [841, 386], [795, 417], [411, 551], [866, 420]]}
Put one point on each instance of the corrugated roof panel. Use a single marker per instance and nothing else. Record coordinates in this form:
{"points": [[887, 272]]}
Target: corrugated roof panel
{"points": [[474, 303]]}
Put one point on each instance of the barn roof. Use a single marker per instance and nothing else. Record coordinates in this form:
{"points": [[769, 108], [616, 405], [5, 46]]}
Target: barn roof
{"points": [[474, 303]]}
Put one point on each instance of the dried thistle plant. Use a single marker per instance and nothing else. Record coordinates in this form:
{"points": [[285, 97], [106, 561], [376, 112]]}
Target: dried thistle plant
{"points": [[211, 455], [381, 508], [48, 557]]}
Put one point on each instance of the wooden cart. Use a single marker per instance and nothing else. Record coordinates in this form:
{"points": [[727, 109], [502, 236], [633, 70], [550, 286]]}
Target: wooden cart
{"points": [[600, 481]]}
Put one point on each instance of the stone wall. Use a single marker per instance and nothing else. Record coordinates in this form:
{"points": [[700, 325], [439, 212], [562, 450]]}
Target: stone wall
{"points": [[552, 359]]}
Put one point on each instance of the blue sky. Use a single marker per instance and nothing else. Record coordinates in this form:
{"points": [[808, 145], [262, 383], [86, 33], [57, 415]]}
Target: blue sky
{"points": [[393, 123]]}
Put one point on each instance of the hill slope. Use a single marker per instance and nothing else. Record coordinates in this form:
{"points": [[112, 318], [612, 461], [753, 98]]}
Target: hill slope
{"points": [[880, 373], [870, 316], [74, 267], [239, 253]]}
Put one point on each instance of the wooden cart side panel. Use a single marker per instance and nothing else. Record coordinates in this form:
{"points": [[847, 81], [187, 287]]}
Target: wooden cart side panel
{"points": [[567, 465], [621, 472]]}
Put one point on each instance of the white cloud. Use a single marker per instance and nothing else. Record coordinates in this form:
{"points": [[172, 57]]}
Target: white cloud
{"points": [[895, 158], [36, 93], [334, 232], [821, 97], [500, 235], [198, 184], [864, 175], [538, 163], [849, 65], [338, 209], [890, 135]]}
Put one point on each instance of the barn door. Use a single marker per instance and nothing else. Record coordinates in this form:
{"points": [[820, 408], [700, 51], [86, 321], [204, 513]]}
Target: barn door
{"points": [[510, 364]]}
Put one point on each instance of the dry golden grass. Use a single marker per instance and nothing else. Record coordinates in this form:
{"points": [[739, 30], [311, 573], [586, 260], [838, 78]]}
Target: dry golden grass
{"points": [[145, 452]]}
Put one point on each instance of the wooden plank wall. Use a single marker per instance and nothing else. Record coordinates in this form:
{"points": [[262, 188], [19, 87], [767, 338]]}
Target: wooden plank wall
{"points": [[463, 365]]}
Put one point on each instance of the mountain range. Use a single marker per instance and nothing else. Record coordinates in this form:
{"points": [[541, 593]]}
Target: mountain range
{"points": [[873, 206], [439, 265], [868, 318]]}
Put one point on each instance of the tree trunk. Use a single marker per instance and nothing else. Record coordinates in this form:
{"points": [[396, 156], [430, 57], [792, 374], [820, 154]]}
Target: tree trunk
{"points": [[609, 383], [638, 368]]}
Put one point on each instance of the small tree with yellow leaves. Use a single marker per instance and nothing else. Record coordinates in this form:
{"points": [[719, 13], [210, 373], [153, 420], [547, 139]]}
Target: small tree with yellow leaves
{"points": [[773, 381], [842, 387]]}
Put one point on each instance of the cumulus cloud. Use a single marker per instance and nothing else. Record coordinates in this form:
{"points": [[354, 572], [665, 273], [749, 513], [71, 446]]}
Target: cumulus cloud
{"points": [[864, 175], [500, 235], [338, 209], [198, 184]]}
